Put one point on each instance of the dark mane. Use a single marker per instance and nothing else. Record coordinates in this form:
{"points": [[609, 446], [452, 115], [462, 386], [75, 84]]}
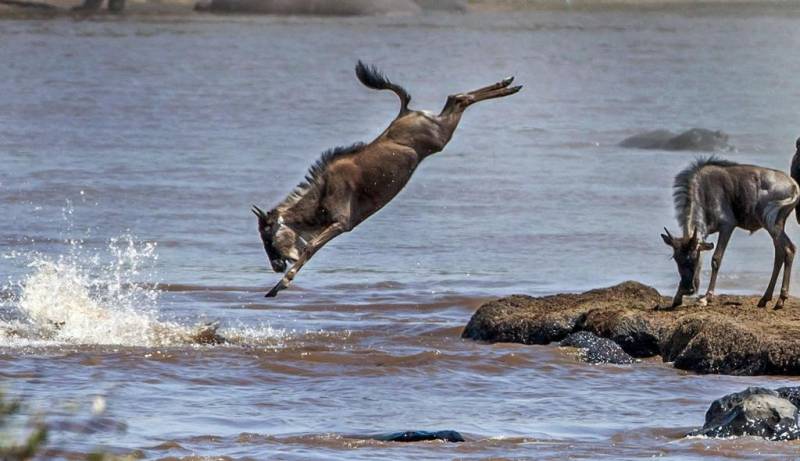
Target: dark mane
{"points": [[373, 78], [314, 175], [683, 180]]}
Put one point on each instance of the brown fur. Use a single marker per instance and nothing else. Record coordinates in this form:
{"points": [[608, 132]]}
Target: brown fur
{"points": [[349, 185]]}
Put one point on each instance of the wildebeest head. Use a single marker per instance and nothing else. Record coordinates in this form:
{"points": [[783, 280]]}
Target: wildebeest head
{"points": [[279, 240], [686, 253]]}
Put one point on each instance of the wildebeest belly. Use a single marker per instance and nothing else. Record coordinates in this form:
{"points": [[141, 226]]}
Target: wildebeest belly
{"points": [[382, 179]]}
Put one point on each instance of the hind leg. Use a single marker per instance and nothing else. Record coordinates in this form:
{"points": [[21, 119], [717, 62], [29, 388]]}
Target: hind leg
{"points": [[788, 249], [780, 257]]}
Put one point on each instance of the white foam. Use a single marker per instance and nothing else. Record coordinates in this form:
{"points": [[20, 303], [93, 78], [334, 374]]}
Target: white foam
{"points": [[102, 298], [90, 299]]}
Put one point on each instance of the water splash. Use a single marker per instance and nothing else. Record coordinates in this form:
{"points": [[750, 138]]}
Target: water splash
{"points": [[89, 299], [103, 298]]}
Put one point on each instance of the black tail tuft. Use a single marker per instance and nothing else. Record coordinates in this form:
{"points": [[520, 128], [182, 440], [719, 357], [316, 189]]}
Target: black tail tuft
{"points": [[373, 78]]}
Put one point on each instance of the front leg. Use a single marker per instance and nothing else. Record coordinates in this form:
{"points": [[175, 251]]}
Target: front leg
{"points": [[315, 244], [716, 260]]}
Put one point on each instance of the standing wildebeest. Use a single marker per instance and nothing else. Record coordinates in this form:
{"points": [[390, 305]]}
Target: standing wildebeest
{"points": [[348, 184], [715, 195]]}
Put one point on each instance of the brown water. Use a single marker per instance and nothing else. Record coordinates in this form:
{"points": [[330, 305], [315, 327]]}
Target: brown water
{"points": [[132, 150]]}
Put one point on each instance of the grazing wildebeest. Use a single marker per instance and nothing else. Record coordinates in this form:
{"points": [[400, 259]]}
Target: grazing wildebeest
{"points": [[714, 195], [349, 184]]}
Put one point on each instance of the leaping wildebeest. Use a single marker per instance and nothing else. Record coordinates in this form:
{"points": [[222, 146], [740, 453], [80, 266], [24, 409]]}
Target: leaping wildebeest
{"points": [[348, 184], [714, 195]]}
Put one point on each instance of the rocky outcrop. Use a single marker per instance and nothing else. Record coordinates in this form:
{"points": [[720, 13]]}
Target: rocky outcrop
{"points": [[695, 139], [594, 349], [729, 336], [756, 411]]}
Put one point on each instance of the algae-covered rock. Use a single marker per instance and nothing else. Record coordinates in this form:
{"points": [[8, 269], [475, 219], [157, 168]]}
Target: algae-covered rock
{"points": [[729, 336]]}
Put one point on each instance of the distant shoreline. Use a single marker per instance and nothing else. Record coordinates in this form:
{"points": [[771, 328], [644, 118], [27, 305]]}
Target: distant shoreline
{"points": [[516, 5], [25, 9]]}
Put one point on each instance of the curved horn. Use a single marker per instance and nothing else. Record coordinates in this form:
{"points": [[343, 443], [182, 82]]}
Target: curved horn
{"points": [[668, 234], [258, 212]]}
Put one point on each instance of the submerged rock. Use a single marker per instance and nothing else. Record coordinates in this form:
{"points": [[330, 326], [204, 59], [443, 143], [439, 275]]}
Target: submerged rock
{"points": [[756, 411], [207, 334], [595, 349], [729, 336], [420, 436], [450, 6], [695, 139]]}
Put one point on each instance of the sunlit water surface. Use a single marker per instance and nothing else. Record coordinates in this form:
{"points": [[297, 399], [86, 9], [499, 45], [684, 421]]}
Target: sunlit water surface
{"points": [[131, 151]]}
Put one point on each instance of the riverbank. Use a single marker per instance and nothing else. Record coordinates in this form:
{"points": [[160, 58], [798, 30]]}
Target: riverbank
{"points": [[519, 5], [729, 336], [10, 9]]}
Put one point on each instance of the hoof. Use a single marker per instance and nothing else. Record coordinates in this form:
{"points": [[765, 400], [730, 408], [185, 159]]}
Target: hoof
{"points": [[763, 302], [778, 305]]}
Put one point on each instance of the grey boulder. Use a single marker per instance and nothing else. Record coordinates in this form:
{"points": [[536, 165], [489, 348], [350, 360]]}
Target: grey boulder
{"points": [[756, 411], [695, 139]]}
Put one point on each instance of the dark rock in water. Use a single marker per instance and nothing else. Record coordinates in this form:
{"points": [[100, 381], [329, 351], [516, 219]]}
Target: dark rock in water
{"points": [[596, 349], [648, 140], [311, 7], [729, 336], [755, 411], [696, 139], [420, 436], [207, 334], [452, 6]]}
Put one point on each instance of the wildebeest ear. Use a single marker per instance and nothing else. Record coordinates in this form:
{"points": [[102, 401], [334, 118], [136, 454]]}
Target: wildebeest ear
{"points": [[797, 144], [705, 246]]}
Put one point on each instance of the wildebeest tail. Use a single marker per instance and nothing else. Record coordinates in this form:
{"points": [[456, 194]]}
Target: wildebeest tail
{"points": [[773, 210], [373, 78], [795, 173]]}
